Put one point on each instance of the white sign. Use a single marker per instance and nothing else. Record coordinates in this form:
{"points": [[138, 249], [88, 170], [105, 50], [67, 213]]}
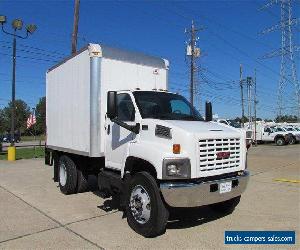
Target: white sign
{"points": [[225, 187]]}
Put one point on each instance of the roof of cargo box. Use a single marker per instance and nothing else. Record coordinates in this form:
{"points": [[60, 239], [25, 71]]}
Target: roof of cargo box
{"points": [[121, 55]]}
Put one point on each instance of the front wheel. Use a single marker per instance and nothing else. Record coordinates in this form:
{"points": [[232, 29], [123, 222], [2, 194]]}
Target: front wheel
{"points": [[226, 206], [146, 212]]}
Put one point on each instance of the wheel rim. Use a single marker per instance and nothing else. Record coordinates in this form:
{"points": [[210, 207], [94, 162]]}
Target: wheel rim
{"points": [[280, 142], [140, 205], [62, 174]]}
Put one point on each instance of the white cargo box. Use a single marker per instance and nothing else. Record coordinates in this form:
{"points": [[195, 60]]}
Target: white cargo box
{"points": [[76, 91]]}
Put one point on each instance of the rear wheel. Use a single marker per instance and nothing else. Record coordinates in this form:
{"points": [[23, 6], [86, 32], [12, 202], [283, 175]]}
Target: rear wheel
{"points": [[292, 140], [280, 141], [67, 175], [226, 206], [146, 212], [82, 181]]}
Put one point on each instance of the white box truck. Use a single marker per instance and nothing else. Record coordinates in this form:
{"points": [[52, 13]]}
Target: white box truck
{"points": [[109, 114]]}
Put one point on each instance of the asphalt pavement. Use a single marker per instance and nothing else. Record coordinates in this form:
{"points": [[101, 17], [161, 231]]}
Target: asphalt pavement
{"points": [[35, 215]]}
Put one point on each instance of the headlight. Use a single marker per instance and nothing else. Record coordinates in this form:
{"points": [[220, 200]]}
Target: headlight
{"points": [[176, 168]]}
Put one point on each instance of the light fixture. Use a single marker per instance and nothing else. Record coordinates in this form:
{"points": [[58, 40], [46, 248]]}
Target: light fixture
{"points": [[17, 24], [31, 28], [2, 19]]}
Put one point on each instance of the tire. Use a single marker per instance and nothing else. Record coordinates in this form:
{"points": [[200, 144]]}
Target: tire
{"points": [[226, 206], [280, 141], [67, 173], [151, 223], [82, 182], [292, 140]]}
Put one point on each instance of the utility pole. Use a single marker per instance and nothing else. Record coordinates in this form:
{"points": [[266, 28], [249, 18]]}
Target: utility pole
{"points": [[287, 52], [249, 99], [75, 26], [255, 103], [242, 94], [192, 63], [194, 53]]}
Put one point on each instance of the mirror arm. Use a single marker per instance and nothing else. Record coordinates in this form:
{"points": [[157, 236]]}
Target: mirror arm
{"points": [[133, 128]]}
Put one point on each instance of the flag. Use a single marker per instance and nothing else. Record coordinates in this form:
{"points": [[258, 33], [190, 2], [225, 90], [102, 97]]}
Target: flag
{"points": [[31, 120]]}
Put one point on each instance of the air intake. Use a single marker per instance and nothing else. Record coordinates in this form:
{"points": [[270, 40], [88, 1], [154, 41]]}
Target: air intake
{"points": [[162, 131]]}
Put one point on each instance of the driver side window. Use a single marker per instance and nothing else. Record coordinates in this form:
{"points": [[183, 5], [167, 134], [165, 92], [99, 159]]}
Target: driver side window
{"points": [[126, 111], [268, 130]]}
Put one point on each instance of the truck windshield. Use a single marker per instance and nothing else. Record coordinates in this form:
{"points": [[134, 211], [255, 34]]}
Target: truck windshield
{"points": [[165, 106]]}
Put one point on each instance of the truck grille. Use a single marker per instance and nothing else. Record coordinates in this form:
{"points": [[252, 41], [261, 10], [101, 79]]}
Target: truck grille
{"points": [[209, 157]]}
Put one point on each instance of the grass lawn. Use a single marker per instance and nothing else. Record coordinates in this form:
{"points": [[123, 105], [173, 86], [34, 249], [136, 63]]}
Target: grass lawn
{"points": [[25, 153], [31, 138]]}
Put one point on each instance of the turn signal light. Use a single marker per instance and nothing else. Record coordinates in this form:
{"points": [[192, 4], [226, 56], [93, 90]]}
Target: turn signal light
{"points": [[176, 148]]}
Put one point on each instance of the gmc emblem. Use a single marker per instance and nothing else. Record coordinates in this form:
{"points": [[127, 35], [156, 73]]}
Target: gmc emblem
{"points": [[223, 155]]}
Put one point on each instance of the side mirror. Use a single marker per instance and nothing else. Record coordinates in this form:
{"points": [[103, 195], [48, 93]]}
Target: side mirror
{"points": [[208, 111], [112, 104]]}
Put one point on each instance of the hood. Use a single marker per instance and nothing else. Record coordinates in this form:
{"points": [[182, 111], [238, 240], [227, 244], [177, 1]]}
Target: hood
{"points": [[200, 127]]}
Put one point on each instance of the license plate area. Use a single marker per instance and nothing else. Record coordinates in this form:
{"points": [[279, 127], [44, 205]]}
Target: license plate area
{"points": [[225, 187]]}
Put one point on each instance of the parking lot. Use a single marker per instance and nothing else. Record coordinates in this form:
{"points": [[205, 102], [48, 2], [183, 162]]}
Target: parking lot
{"points": [[34, 214]]}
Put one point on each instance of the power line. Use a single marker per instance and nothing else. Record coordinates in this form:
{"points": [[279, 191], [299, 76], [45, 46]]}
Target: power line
{"points": [[35, 53], [37, 48], [31, 58]]}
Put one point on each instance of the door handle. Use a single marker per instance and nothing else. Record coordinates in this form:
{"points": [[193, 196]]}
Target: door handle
{"points": [[108, 129]]}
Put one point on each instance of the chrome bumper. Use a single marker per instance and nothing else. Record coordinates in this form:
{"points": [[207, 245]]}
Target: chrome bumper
{"points": [[182, 194]]}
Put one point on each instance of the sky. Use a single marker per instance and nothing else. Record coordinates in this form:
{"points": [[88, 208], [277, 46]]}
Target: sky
{"points": [[227, 37]]}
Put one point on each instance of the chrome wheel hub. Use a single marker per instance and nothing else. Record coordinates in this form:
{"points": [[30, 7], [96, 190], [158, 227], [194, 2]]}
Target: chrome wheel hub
{"points": [[62, 174], [140, 205]]}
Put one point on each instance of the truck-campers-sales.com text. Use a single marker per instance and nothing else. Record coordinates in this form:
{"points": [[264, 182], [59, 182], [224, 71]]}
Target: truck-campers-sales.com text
{"points": [[262, 239]]}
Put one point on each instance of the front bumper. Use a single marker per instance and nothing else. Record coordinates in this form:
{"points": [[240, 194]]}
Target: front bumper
{"points": [[182, 194]]}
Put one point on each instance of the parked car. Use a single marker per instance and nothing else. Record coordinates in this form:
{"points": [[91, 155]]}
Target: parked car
{"points": [[7, 138]]}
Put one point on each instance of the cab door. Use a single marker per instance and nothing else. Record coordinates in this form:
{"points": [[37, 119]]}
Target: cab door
{"points": [[118, 138], [267, 135]]}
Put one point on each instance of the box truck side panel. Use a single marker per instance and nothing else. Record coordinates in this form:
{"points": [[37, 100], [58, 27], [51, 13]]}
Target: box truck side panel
{"points": [[68, 105]]}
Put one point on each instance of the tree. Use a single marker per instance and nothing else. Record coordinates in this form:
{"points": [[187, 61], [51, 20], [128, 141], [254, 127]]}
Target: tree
{"points": [[286, 118], [40, 113], [2, 122], [21, 114], [240, 120]]}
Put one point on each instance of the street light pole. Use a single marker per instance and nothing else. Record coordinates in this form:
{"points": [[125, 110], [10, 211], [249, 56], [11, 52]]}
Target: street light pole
{"points": [[13, 92], [17, 24]]}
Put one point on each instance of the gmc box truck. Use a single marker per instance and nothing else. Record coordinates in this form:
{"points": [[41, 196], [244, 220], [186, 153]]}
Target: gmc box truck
{"points": [[109, 114]]}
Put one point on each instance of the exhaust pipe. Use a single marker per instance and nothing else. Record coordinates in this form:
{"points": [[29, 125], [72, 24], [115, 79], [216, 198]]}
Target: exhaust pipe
{"points": [[208, 111]]}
